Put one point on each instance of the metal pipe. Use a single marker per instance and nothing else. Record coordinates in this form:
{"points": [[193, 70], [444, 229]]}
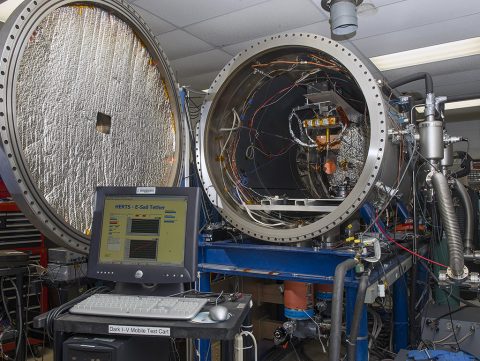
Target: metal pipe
{"points": [[357, 316], [450, 224], [474, 256], [337, 311], [469, 224]]}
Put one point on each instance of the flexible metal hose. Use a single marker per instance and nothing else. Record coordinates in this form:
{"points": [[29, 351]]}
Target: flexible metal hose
{"points": [[450, 223], [337, 308], [469, 224]]}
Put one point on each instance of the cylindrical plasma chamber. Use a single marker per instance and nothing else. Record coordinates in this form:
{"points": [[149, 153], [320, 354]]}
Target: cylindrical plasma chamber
{"points": [[87, 99], [293, 139]]}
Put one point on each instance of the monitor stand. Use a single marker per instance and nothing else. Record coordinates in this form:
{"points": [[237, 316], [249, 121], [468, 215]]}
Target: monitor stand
{"points": [[139, 289]]}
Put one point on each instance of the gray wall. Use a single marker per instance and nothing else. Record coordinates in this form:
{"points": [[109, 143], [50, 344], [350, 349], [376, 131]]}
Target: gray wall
{"points": [[469, 129]]}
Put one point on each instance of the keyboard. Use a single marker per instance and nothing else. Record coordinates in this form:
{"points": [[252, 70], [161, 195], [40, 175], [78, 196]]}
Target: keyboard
{"points": [[177, 308]]}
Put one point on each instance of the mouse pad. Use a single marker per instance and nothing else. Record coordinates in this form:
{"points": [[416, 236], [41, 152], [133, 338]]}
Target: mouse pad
{"points": [[203, 317]]}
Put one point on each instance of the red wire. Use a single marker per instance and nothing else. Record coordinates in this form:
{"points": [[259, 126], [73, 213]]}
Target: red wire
{"points": [[408, 250], [250, 124]]}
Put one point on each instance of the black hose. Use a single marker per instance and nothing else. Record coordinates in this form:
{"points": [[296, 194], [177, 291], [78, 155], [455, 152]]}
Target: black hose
{"points": [[465, 164], [469, 217], [357, 316], [450, 223], [411, 305], [414, 77], [337, 308]]}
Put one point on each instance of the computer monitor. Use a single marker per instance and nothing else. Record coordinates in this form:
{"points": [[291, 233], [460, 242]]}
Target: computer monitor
{"points": [[145, 234]]}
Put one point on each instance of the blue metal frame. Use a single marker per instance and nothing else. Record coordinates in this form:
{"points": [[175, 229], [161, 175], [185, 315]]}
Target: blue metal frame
{"points": [[301, 264], [202, 347]]}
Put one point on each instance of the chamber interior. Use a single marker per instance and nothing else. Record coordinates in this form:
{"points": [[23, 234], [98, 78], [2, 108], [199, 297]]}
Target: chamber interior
{"points": [[287, 137]]}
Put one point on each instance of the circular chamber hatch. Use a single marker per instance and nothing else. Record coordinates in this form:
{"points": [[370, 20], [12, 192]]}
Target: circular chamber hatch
{"points": [[87, 99], [292, 138]]}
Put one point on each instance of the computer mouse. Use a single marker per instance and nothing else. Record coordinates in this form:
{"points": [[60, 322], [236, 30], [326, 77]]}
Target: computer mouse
{"points": [[218, 313]]}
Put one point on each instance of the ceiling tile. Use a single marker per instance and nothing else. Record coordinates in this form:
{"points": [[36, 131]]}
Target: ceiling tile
{"points": [[238, 47], [320, 28], [365, 9], [413, 13], [267, 18], [426, 35], [210, 61], [200, 81], [379, 3], [157, 25], [179, 44], [186, 12]]}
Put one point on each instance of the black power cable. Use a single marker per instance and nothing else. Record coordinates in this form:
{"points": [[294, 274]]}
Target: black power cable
{"points": [[451, 320], [54, 313]]}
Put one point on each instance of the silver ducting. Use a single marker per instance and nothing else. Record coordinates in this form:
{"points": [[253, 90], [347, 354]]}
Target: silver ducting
{"points": [[469, 246], [293, 138], [87, 98], [457, 267]]}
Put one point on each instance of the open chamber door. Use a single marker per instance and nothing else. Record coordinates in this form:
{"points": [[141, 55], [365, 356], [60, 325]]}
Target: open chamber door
{"points": [[87, 99]]}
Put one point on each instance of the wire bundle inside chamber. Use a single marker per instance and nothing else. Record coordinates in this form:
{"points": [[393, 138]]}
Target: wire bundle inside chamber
{"points": [[290, 125]]}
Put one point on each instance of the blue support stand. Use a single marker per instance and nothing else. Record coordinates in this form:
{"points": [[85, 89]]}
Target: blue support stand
{"points": [[302, 264], [400, 314]]}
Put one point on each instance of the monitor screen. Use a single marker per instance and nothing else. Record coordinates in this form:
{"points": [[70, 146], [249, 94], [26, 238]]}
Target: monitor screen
{"points": [[143, 230], [144, 238]]}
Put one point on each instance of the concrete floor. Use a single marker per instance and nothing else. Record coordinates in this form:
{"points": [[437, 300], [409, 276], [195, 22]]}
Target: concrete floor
{"points": [[311, 350], [47, 356]]}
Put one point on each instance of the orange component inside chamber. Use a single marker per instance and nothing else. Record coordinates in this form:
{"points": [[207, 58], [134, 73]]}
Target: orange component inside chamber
{"points": [[330, 166]]}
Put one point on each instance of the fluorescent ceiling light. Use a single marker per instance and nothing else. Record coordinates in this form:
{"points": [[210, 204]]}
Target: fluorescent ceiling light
{"points": [[428, 54], [463, 104], [455, 105], [7, 7]]}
